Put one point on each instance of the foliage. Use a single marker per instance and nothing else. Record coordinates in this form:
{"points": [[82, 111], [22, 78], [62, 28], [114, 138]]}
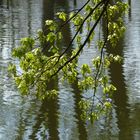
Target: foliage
{"points": [[42, 60]]}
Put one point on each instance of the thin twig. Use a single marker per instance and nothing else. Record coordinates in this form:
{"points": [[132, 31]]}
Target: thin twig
{"points": [[101, 56]]}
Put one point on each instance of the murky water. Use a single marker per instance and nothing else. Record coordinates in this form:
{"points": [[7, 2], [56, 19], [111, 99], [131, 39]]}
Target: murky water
{"points": [[26, 118]]}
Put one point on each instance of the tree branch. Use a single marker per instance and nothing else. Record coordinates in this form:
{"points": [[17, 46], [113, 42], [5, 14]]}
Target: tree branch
{"points": [[86, 40]]}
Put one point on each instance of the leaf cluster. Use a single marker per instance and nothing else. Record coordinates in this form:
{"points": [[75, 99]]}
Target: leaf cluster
{"points": [[42, 60]]}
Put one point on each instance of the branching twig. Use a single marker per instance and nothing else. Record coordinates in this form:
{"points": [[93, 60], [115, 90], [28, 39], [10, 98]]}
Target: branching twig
{"points": [[74, 15], [67, 22], [86, 40], [81, 25], [101, 58], [79, 29]]}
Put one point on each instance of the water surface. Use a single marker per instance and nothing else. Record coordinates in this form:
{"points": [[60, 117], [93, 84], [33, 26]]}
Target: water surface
{"points": [[24, 118]]}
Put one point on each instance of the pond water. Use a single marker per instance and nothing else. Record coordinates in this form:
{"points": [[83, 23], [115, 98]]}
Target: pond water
{"points": [[26, 118]]}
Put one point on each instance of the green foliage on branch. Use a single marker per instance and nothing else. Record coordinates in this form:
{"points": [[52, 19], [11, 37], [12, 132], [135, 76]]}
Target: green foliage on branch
{"points": [[42, 60]]}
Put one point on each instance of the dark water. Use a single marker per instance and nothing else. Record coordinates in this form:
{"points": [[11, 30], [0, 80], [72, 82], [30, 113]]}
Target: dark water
{"points": [[26, 118]]}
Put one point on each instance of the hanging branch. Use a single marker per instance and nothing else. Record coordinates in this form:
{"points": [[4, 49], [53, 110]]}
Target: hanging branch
{"points": [[79, 29], [100, 64], [86, 40]]}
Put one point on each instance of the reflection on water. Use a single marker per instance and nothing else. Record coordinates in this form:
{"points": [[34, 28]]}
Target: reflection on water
{"points": [[132, 67], [27, 118], [17, 19]]}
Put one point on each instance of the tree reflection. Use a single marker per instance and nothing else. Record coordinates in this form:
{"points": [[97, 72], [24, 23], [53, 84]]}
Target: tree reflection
{"points": [[1, 1], [48, 113], [80, 123], [129, 3], [46, 121], [75, 2], [120, 97]]}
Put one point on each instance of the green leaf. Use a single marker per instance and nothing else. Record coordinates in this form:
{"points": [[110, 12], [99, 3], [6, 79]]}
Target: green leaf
{"points": [[49, 22], [51, 37], [62, 15]]}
